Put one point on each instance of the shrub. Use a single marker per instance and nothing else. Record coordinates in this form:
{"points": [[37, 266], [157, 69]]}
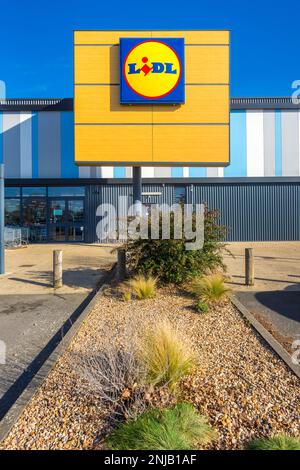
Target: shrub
{"points": [[143, 287], [210, 288], [202, 306], [169, 260], [167, 355], [279, 442], [178, 428], [114, 375]]}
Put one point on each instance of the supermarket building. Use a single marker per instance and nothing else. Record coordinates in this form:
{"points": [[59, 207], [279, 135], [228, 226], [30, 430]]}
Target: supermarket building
{"points": [[258, 194]]}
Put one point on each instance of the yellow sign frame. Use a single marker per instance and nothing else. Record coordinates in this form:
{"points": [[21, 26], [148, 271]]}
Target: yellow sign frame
{"points": [[195, 133]]}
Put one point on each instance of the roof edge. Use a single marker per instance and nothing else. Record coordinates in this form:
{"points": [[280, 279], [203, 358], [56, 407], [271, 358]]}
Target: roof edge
{"points": [[67, 104]]}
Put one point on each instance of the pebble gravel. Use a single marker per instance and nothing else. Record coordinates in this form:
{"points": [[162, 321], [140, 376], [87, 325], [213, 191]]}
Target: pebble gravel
{"points": [[239, 383]]}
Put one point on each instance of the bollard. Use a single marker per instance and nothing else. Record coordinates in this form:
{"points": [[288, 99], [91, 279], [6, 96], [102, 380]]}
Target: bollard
{"points": [[57, 268], [121, 268], [249, 267]]}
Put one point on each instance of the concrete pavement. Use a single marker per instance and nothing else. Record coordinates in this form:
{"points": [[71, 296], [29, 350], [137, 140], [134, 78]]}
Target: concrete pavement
{"points": [[275, 298], [32, 313]]}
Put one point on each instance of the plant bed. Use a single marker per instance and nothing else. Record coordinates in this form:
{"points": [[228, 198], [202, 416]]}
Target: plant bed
{"points": [[239, 384]]}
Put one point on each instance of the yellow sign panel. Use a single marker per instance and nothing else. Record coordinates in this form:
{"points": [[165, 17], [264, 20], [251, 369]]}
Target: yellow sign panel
{"points": [[155, 133]]}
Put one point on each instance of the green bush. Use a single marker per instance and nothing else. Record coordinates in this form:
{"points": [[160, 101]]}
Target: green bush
{"points": [[202, 307], [170, 261], [279, 442], [166, 355], [178, 428], [210, 288]]}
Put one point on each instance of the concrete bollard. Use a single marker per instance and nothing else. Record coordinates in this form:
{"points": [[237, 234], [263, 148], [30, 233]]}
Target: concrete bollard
{"points": [[57, 268], [121, 267], [249, 267]]}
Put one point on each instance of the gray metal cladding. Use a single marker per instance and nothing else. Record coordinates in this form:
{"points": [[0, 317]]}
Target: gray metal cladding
{"points": [[254, 212], [250, 211], [110, 194]]}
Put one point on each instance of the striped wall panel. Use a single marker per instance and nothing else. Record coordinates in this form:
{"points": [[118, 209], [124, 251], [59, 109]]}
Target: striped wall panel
{"points": [[1, 137], [255, 143], [11, 144], [25, 145], [290, 143], [68, 169], [41, 144], [49, 145]]}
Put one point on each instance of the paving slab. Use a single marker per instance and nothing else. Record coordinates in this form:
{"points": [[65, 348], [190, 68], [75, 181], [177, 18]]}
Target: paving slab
{"points": [[275, 297], [32, 313]]}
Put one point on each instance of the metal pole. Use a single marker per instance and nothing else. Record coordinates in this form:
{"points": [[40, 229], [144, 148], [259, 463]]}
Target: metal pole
{"points": [[57, 268], [2, 251], [137, 188], [249, 267]]}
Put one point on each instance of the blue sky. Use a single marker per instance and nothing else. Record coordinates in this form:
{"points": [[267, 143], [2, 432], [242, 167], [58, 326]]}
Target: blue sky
{"points": [[36, 39]]}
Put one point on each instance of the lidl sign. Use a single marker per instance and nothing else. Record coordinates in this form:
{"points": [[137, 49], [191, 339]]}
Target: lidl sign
{"points": [[152, 70]]}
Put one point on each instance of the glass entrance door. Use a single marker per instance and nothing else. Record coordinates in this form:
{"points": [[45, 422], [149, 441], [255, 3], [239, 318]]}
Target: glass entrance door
{"points": [[66, 220], [75, 220]]}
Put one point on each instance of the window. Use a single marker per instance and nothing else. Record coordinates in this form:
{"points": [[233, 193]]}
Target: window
{"points": [[76, 211], [12, 192], [12, 212], [34, 211], [76, 234], [57, 211], [66, 191], [33, 192]]}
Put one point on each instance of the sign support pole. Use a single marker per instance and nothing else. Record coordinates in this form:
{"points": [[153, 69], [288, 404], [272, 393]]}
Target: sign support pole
{"points": [[137, 189], [2, 252]]}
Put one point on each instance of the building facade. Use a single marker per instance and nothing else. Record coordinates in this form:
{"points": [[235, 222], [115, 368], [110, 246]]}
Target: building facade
{"points": [[258, 194]]}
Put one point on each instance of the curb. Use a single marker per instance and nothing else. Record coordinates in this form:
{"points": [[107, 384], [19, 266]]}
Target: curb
{"points": [[14, 413], [270, 340]]}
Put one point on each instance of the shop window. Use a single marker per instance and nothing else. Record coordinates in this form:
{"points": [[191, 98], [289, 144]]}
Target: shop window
{"points": [[57, 211], [57, 233], [34, 211], [66, 191], [76, 211], [33, 192], [75, 234], [12, 212], [12, 192]]}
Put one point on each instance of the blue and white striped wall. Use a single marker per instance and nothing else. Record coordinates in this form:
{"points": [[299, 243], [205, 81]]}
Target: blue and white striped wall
{"points": [[41, 145]]}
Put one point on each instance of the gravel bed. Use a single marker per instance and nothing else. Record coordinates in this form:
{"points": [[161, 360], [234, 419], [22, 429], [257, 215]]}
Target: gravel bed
{"points": [[240, 384]]}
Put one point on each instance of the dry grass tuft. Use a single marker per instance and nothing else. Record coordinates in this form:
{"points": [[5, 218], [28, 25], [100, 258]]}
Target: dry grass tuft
{"points": [[210, 289], [166, 354], [143, 287]]}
